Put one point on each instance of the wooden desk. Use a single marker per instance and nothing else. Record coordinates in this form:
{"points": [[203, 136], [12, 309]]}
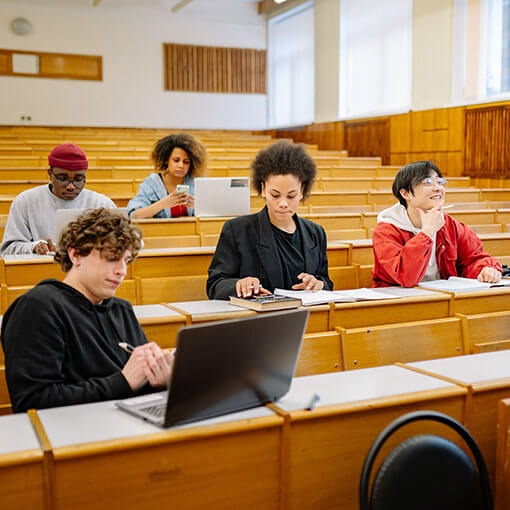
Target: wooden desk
{"points": [[21, 464], [487, 378], [327, 446], [502, 499], [405, 341], [159, 323], [362, 252], [496, 244], [17, 270], [172, 262], [209, 310], [486, 332], [105, 458], [162, 227], [321, 348], [474, 217], [415, 305], [485, 301]]}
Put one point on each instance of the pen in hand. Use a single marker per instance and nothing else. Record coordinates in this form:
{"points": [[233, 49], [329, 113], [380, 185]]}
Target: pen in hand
{"points": [[129, 348], [126, 347]]}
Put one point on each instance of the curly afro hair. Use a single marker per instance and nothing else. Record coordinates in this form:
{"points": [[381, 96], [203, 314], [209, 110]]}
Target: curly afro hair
{"points": [[284, 158], [102, 229], [195, 150]]}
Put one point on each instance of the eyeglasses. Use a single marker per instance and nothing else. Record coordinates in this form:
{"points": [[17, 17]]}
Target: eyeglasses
{"points": [[78, 181], [430, 182]]}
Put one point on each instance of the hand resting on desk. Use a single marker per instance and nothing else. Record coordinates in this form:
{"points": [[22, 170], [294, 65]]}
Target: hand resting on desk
{"points": [[489, 275]]}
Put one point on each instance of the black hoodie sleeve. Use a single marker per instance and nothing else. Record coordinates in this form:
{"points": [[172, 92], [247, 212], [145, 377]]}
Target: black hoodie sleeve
{"points": [[35, 337]]}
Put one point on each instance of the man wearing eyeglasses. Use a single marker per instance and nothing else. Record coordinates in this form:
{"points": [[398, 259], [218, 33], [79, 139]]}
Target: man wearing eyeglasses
{"points": [[415, 241], [31, 224]]}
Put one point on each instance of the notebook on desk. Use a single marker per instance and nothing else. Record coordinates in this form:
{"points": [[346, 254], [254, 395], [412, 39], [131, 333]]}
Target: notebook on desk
{"points": [[226, 366]]}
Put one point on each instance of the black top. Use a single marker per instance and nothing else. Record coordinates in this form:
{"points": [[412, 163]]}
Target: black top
{"points": [[61, 349], [247, 247], [290, 251]]}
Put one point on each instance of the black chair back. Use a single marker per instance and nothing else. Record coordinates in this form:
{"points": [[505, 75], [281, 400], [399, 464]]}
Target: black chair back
{"points": [[426, 472]]}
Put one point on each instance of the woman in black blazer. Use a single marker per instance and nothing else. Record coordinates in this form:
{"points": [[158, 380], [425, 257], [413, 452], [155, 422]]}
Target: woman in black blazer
{"points": [[273, 248]]}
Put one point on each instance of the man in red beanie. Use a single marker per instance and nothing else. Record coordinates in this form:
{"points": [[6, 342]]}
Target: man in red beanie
{"points": [[31, 226]]}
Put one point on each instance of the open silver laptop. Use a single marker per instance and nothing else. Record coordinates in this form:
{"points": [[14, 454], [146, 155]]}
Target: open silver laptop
{"points": [[65, 216], [222, 196], [226, 366]]}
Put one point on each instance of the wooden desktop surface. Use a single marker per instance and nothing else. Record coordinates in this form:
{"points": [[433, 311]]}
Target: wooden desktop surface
{"points": [[327, 446], [105, 458]]}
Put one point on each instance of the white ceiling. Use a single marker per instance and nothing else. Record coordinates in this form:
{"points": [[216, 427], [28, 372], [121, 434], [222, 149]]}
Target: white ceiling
{"points": [[129, 3], [243, 12]]}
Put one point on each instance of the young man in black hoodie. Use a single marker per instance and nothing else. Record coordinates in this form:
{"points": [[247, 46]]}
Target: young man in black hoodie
{"points": [[61, 339]]}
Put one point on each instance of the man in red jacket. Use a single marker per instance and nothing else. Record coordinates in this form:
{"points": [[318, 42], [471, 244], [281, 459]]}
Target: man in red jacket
{"points": [[414, 241]]}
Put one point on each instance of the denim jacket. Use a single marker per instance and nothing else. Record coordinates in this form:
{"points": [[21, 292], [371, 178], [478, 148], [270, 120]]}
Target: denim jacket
{"points": [[153, 189]]}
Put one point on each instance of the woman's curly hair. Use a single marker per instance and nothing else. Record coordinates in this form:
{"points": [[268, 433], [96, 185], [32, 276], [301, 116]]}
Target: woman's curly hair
{"points": [[193, 147], [284, 158], [103, 229]]}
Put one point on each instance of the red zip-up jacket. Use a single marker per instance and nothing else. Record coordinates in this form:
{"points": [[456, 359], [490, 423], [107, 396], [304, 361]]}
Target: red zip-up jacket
{"points": [[401, 258]]}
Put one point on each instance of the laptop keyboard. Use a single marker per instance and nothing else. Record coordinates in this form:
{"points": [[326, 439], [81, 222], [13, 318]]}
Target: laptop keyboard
{"points": [[156, 411]]}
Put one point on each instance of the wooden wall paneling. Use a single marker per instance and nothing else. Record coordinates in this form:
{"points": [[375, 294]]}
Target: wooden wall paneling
{"points": [[5, 63], [487, 135], [56, 65], [71, 66], [215, 69], [216, 53], [417, 141], [400, 131], [368, 138], [194, 70], [229, 70]]}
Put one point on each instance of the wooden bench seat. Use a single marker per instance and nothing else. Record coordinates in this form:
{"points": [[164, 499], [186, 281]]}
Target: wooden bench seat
{"points": [[486, 332], [401, 342]]}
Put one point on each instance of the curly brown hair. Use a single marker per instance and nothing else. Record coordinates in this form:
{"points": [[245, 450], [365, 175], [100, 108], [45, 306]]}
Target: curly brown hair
{"points": [[103, 229], [193, 147], [284, 158]]}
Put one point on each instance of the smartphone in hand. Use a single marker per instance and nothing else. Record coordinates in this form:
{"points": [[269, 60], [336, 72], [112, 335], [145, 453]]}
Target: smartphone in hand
{"points": [[182, 188]]}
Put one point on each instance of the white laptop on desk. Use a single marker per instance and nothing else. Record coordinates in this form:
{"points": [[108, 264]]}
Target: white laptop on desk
{"points": [[222, 196], [65, 216]]}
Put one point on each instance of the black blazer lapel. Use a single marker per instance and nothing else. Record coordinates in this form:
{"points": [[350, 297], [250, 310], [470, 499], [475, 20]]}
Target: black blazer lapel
{"points": [[311, 248], [267, 252]]}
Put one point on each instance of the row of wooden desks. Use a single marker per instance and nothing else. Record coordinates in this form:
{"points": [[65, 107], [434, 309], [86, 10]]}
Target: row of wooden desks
{"points": [[281, 456], [415, 304], [30, 269]]}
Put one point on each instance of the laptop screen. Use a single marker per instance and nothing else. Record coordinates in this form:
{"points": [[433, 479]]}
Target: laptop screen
{"points": [[227, 366], [222, 196]]}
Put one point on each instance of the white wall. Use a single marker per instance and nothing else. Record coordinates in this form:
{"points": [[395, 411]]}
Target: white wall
{"points": [[327, 51], [130, 40], [432, 53]]}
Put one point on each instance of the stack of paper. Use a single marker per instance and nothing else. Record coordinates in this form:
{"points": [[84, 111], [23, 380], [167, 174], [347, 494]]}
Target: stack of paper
{"points": [[319, 297], [459, 284]]}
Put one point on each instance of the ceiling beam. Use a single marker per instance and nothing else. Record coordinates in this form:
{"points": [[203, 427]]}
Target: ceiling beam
{"points": [[179, 5], [273, 7]]}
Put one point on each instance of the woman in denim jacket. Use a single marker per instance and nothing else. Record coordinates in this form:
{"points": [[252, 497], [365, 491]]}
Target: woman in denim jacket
{"points": [[178, 159]]}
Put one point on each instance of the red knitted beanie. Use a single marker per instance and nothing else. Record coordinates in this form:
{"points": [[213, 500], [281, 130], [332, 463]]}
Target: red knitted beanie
{"points": [[68, 156]]}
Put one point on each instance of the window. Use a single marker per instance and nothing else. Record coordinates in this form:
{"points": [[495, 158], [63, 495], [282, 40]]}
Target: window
{"points": [[375, 57], [481, 58], [291, 67]]}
